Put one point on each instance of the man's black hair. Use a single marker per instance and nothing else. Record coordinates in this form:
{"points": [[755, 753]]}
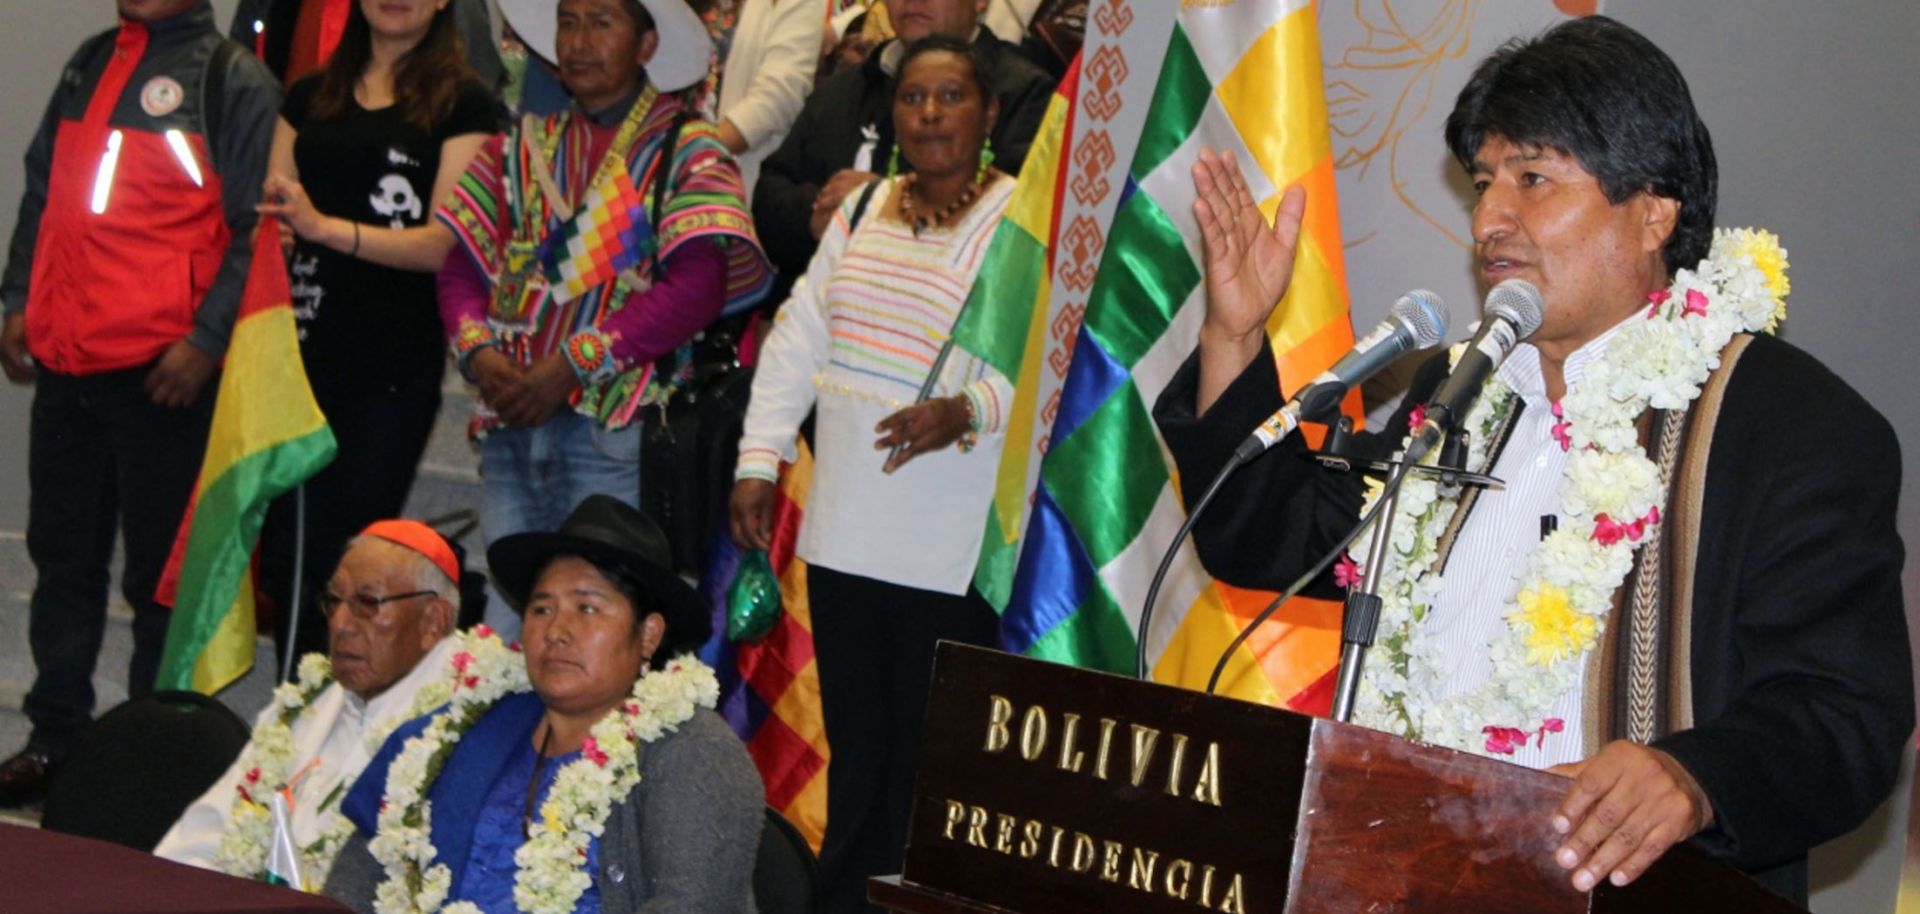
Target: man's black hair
{"points": [[1600, 92]]}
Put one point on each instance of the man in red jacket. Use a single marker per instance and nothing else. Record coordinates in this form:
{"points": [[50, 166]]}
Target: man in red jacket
{"points": [[120, 291]]}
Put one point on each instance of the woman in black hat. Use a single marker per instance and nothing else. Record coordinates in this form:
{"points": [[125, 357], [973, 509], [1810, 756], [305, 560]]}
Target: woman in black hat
{"points": [[610, 786]]}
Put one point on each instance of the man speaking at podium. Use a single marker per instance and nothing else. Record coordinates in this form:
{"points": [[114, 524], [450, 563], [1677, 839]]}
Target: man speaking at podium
{"points": [[1687, 595]]}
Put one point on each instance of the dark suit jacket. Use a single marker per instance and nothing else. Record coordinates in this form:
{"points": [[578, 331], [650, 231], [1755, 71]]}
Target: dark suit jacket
{"points": [[1801, 674]]}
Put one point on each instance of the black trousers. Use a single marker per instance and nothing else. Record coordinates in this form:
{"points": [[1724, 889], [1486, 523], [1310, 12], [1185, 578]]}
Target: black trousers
{"points": [[381, 436], [874, 645], [100, 451]]}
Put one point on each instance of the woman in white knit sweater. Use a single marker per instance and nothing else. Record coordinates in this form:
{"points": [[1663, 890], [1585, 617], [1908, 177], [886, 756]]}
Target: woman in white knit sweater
{"points": [[900, 488]]}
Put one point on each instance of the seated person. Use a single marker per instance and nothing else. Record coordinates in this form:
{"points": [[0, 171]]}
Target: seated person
{"points": [[612, 768], [390, 606]]}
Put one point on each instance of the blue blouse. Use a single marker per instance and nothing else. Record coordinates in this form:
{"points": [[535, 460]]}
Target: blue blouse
{"points": [[487, 879]]}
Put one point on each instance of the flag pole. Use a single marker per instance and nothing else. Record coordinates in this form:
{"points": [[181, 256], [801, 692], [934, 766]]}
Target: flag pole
{"points": [[299, 567]]}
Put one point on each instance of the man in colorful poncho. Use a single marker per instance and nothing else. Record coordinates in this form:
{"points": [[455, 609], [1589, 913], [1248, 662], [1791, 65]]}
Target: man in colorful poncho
{"points": [[1683, 603], [593, 245], [390, 606]]}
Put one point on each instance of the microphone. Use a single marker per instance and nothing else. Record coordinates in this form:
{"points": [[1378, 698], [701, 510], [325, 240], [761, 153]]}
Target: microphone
{"points": [[1418, 321], [1512, 314]]}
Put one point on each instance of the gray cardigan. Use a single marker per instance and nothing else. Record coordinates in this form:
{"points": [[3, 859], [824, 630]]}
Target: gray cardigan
{"points": [[683, 840]]}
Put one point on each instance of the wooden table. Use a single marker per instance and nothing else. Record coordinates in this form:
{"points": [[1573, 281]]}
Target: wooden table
{"points": [[43, 872]]}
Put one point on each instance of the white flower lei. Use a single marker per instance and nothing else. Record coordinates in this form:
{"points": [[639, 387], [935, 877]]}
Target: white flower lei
{"points": [[1610, 501], [267, 763], [550, 877]]}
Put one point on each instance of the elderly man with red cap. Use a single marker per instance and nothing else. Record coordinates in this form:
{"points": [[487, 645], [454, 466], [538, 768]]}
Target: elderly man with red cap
{"points": [[390, 607]]}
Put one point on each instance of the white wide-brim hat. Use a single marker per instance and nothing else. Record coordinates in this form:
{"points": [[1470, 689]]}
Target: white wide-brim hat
{"points": [[685, 50]]}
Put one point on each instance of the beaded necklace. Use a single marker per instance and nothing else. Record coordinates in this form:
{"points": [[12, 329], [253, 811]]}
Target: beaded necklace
{"points": [[909, 204]]}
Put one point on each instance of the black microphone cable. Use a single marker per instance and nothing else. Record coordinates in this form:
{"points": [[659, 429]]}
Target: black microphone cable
{"points": [[1373, 514]]}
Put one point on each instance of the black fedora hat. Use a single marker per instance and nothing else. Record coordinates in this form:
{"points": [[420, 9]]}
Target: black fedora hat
{"points": [[608, 531]]}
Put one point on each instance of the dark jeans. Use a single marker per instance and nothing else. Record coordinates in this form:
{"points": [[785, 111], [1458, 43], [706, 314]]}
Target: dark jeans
{"points": [[381, 436], [100, 450], [874, 644]]}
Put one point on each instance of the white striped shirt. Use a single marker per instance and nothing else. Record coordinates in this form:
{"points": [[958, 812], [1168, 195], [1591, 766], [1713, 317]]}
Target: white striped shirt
{"points": [[858, 337], [1498, 538]]}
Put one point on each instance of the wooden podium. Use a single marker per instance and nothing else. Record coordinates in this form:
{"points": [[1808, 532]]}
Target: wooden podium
{"points": [[1045, 788]]}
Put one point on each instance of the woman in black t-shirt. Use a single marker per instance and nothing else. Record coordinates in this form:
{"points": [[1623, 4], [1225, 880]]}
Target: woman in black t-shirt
{"points": [[363, 150]]}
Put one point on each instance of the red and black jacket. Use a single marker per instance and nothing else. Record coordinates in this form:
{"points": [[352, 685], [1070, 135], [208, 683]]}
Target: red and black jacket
{"points": [[135, 228]]}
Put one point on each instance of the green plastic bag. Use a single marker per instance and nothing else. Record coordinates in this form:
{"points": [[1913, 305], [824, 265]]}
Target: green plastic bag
{"points": [[753, 599]]}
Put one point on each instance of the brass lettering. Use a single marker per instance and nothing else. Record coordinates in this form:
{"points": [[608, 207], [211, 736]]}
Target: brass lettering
{"points": [[1235, 901], [1106, 744], [1144, 739], [999, 714], [1179, 878], [1179, 761], [1206, 886], [1033, 733], [1141, 875], [1003, 841], [1110, 860], [1053, 854], [956, 813], [1207, 788], [1071, 758], [977, 827], [1082, 852], [1030, 839]]}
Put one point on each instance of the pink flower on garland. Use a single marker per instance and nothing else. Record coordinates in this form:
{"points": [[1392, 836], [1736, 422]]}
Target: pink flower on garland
{"points": [[461, 661], [1563, 429], [1550, 725], [1417, 418], [1504, 740], [1607, 531], [1658, 298], [1346, 572], [591, 749], [1696, 303], [483, 630]]}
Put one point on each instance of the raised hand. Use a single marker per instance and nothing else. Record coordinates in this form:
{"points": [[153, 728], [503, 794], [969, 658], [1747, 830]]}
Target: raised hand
{"points": [[1248, 265]]}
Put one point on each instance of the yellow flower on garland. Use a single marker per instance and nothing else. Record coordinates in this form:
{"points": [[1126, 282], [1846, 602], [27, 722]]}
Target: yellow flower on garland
{"points": [[1763, 248], [1554, 629]]}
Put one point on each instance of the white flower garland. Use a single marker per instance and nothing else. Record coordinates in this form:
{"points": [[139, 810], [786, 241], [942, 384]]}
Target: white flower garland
{"points": [[1610, 502], [550, 875], [268, 764]]}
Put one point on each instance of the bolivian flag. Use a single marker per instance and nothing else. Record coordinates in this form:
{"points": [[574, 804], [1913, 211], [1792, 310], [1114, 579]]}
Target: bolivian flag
{"points": [[268, 436]]}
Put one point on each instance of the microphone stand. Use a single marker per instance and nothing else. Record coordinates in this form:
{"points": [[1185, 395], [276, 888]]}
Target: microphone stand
{"points": [[1360, 621]]}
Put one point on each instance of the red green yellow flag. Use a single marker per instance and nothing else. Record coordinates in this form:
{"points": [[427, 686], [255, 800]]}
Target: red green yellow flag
{"points": [[268, 436]]}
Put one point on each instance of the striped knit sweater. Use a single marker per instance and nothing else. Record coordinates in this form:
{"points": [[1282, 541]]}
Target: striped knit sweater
{"points": [[856, 340]]}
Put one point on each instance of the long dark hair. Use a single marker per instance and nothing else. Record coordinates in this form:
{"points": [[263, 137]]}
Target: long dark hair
{"points": [[426, 80]]}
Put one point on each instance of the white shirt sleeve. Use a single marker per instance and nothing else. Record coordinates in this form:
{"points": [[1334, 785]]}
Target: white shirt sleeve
{"points": [[796, 350], [776, 62]]}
